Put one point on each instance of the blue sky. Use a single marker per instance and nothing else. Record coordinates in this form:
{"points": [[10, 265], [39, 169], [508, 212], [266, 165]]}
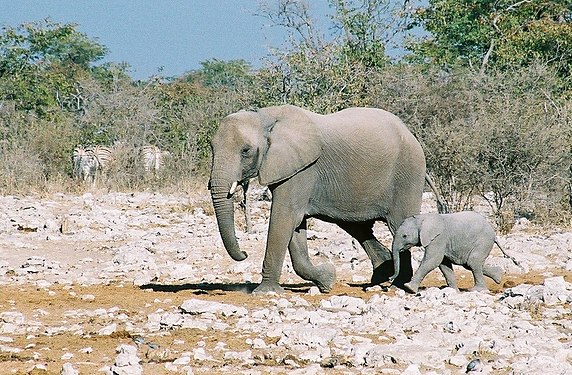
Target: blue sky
{"points": [[172, 35]]}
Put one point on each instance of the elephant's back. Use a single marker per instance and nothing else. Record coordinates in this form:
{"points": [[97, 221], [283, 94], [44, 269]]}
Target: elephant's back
{"points": [[358, 117], [371, 164], [368, 126]]}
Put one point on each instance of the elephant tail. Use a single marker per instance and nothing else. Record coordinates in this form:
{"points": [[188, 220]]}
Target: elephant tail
{"points": [[517, 263], [442, 207]]}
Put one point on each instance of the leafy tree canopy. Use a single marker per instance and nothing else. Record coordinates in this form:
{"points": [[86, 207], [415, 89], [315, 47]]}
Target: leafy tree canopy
{"points": [[218, 73], [46, 42], [42, 63], [504, 32]]}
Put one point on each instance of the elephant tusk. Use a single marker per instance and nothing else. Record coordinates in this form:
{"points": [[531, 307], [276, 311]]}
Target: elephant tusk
{"points": [[233, 188]]}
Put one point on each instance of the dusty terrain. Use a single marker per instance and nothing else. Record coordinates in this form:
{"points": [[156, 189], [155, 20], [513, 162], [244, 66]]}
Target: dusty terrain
{"points": [[140, 283]]}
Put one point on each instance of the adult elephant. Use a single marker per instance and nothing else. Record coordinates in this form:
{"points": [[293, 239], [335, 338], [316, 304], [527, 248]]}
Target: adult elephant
{"points": [[351, 168]]}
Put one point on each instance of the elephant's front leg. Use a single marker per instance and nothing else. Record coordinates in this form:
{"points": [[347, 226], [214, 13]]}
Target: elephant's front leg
{"points": [[431, 260], [284, 218], [323, 275]]}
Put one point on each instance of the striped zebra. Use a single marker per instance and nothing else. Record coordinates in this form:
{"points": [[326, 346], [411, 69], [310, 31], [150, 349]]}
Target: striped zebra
{"points": [[91, 161], [153, 158]]}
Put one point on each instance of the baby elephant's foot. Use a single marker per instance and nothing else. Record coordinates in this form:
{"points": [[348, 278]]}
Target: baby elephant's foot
{"points": [[411, 287], [494, 273]]}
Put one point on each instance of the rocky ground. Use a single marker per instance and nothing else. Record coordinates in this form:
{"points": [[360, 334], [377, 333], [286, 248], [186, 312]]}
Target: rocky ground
{"points": [[140, 283]]}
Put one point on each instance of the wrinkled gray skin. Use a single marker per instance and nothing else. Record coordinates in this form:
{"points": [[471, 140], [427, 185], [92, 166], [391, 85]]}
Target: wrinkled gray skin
{"points": [[350, 168], [463, 238]]}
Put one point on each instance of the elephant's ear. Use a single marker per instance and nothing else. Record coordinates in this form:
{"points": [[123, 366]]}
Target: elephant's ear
{"points": [[430, 228], [294, 142]]}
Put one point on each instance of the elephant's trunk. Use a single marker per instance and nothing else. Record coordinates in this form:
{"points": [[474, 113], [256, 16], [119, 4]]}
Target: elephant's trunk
{"points": [[224, 211], [395, 249]]}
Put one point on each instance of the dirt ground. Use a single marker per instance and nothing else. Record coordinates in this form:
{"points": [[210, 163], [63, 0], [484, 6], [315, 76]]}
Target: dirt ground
{"points": [[89, 307], [138, 303]]}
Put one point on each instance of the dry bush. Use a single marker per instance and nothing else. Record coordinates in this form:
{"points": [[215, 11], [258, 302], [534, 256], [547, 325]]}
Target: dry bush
{"points": [[503, 136], [322, 80], [21, 171]]}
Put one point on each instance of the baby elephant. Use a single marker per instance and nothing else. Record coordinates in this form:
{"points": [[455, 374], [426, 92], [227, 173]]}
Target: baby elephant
{"points": [[464, 238]]}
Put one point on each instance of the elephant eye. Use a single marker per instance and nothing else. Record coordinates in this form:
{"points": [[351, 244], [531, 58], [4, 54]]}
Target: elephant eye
{"points": [[404, 235], [246, 150]]}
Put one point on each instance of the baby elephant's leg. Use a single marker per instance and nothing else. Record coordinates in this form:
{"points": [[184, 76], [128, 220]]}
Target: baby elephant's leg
{"points": [[446, 268], [477, 270], [493, 272], [429, 263]]}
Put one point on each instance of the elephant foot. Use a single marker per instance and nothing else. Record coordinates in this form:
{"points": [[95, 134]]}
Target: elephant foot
{"points": [[267, 287], [411, 287], [494, 273], [383, 272], [326, 277]]}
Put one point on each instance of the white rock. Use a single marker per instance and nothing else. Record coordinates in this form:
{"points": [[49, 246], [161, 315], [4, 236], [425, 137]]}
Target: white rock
{"points": [[143, 278], [244, 356], [314, 291], [412, 370], [68, 369], [554, 291], [88, 297], [183, 271], [307, 335], [107, 330], [43, 284], [127, 355], [67, 356], [259, 343], [352, 305], [185, 360], [199, 354], [458, 361], [130, 255], [13, 317]]}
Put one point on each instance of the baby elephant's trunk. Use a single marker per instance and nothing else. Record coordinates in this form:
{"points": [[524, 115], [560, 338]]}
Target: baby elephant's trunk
{"points": [[395, 252]]}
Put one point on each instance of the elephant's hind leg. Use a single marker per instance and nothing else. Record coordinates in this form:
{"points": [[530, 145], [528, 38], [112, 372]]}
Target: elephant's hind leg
{"points": [[446, 268], [493, 272], [379, 255], [363, 233], [324, 275], [477, 270], [476, 265]]}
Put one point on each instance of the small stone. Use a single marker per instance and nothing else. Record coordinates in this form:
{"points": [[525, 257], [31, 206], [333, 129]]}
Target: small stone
{"points": [[199, 354], [67, 356], [458, 361], [88, 297], [314, 291], [108, 330], [185, 360], [68, 369]]}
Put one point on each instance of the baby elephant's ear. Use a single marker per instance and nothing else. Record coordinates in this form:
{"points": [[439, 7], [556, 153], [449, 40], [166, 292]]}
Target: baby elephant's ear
{"points": [[429, 229]]}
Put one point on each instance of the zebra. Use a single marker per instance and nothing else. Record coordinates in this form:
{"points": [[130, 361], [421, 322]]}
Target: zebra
{"points": [[103, 154], [84, 165], [153, 158], [88, 162]]}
